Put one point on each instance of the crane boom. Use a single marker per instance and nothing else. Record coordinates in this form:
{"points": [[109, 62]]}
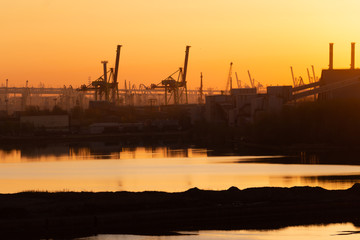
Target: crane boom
{"points": [[251, 80], [117, 59], [313, 70], [185, 63], [309, 75], [229, 79], [293, 78], [237, 80]]}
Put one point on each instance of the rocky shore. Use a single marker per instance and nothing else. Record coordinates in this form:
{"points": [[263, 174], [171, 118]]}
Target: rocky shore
{"points": [[65, 215]]}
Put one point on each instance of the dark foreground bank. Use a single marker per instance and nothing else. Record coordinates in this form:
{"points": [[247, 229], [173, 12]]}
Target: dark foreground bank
{"points": [[36, 215]]}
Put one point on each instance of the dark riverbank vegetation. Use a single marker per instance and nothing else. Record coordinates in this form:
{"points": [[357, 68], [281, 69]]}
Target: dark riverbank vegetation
{"points": [[34, 215]]}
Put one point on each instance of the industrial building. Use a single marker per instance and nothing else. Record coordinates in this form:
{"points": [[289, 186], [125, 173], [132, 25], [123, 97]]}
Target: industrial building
{"points": [[246, 105], [233, 107], [170, 91]]}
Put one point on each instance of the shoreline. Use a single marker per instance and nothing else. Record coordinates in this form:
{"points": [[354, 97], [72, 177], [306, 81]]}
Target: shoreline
{"points": [[63, 138], [184, 137], [81, 214]]}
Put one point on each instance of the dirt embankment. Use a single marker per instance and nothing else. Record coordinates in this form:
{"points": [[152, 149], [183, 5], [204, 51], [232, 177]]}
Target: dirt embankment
{"points": [[34, 215]]}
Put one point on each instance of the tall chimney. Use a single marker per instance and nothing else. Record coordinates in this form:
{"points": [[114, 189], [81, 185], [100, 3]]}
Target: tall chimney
{"points": [[331, 56], [352, 65]]}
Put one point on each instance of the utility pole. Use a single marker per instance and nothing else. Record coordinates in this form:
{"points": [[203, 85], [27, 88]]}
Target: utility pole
{"points": [[201, 89], [7, 97]]}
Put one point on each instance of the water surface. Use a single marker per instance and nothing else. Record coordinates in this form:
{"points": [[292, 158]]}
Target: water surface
{"points": [[100, 167], [315, 232]]}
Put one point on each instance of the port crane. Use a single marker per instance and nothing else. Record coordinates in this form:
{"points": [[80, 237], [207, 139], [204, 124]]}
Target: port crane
{"points": [[315, 79], [106, 86], [296, 81], [252, 81], [229, 80], [238, 80], [175, 89]]}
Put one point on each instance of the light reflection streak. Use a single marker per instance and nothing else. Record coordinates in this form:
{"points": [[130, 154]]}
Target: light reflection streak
{"points": [[158, 169]]}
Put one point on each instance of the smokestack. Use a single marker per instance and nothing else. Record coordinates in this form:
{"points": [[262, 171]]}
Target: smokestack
{"points": [[331, 56], [352, 65]]}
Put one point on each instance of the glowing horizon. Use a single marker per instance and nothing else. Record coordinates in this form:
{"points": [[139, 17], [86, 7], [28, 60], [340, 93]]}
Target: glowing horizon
{"points": [[63, 42]]}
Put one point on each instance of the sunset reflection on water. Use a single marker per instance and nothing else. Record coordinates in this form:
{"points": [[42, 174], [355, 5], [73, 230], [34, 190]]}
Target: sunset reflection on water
{"points": [[113, 168], [315, 232]]}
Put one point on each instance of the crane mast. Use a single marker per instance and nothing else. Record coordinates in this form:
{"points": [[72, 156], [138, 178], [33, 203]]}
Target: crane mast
{"points": [[237, 80], [293, 78], [175, 88], [229, 79], [252, 82]]}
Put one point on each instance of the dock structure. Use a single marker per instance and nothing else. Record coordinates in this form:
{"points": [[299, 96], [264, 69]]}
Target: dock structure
{"points": [[19, 98], [246, 104], [234, 106]]}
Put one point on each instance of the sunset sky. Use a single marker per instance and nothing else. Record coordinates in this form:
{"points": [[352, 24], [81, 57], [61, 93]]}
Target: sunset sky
{"points": [[62, 42]]}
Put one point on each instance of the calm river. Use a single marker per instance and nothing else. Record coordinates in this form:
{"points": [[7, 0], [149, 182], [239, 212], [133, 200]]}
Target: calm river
{"points": [[101, 167], [333, 232]]}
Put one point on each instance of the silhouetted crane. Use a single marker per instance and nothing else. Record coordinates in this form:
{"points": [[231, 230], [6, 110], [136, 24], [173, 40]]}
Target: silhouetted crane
{"points": [[103, 86], [252, 81], [238, 80], [176, 88], [229, 80]]}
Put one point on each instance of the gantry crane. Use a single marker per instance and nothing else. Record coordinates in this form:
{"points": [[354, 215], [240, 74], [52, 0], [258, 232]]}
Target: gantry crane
{"points": [[252, 81], [229, 81], [238, 80], [103, 87], [175, 89], [296, 81]]}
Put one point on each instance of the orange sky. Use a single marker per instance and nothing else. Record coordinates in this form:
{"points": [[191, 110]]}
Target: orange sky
{"points": [[62, 42]]}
